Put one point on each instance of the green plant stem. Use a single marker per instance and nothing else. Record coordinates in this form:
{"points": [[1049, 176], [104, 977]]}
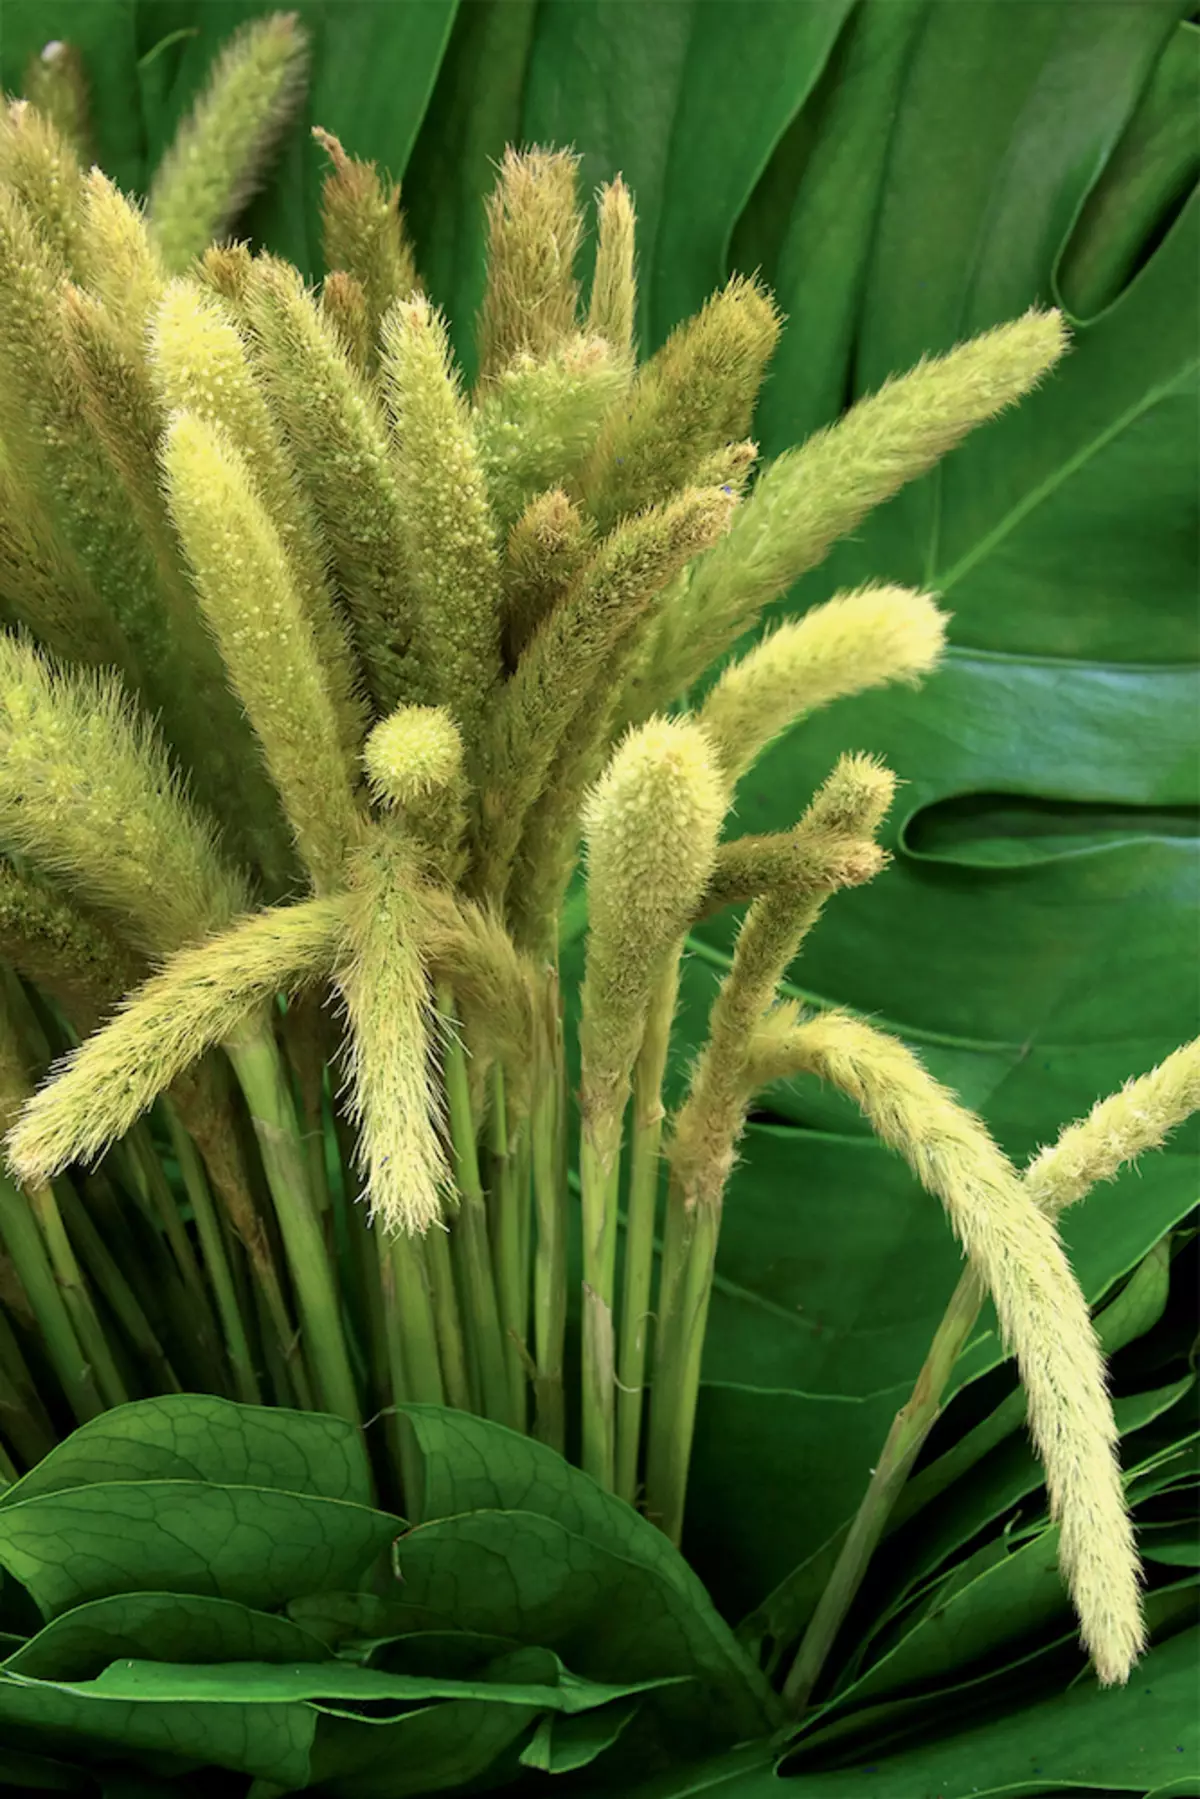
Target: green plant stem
{"points": [[23, 1417], [642, 1206], [263, 1080], [688, 1264], [412, 1328], [23, 1240], [216, 1261], [76, 1296], [508, 1202], [550, 1206], [116, 1290], [599, 1178], [156, 1190], [446, 1314], [470, 1236], [910, 1427]]}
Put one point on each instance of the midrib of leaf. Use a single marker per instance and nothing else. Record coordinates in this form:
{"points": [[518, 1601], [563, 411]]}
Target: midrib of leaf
{"points": [[1063, 473]]}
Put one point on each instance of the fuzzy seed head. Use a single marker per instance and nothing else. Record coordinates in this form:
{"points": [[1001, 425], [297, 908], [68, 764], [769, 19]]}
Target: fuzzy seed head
{"points": [[1117, 1130], [651, 825], [117, 257], [221, 151], [612, 308], [853, 642], [56, 86], [534, 232], [412, 755]]}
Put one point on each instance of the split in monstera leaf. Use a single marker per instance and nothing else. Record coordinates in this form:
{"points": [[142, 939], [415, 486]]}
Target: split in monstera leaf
{"points": [[320, 669]]}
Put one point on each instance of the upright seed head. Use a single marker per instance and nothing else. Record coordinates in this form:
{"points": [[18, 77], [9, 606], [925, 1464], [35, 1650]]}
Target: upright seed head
{"points": [[452, 563], [412, 754], [363, 230], [854, 641], [249, 597], [221, 151], [534, 232], [41, 168], [344, 303], [225, 268], [693, 398], [117, 258], [612, 308], [546, 551], [651, 825]]}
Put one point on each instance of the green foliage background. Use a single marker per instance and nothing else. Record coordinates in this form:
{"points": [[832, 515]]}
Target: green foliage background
{"points": [[905, 173]]}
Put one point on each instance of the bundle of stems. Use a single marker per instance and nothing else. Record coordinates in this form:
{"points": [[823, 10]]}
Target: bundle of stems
{"points": [[319, 670]]}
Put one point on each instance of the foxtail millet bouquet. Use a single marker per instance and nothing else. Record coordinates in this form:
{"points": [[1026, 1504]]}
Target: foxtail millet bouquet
{"points": [[320, 673]]}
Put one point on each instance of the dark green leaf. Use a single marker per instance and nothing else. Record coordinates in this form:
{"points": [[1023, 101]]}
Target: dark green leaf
{"points": [[193, 1436], [249, 1544], [171, 1627]]}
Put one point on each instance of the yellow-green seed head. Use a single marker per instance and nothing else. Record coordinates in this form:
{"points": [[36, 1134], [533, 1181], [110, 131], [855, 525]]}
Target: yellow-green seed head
{"points": [[651, 825], [612, 308], [363, 230], [201, 998], [220, 153], [225, 268], [389, 1005], [853, 642], [853, 800], [344, 303], [546, 551], [42, 170], [249, 596], [1043, 1314], [1117, 1130], [691, 399], [534, 232], [813, 495], [450, 535], [118, 260], [88, 794], [539, 418], [413, 754]]}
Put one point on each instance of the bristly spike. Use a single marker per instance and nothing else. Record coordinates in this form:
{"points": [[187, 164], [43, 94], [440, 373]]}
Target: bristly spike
{"points": [[41, 169], [539, 418], [87, 793], [344, 303], [854, 641], [117, 258], [449, 532], [201, 997], [339, 439], [415, 767], [651, 825], [612, 308], [201, 364], [567, 656], [363, 231], [546, 552], [1043, 1315], [691, 399], [813, 495], [65, 950], [250, 599], [389, 1005], [221, 151], [534, 232], [1116, 1131]]}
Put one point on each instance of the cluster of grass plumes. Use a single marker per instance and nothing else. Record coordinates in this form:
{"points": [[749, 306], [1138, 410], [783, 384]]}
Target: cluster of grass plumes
{"points": [[319, 669]]}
